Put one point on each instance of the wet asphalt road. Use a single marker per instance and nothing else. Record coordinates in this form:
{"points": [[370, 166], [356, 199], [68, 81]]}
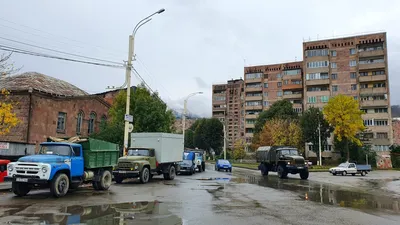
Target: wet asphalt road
{"points": [[243, 197]]}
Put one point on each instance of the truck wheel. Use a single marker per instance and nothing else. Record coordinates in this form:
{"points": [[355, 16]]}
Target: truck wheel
{"points": [[203, 166], [171, 173], [362, 173], [304, 174], [281, 172], [264, 170], [118, 179], [105, 180], [95, 185], [144, 175], [353, 174], [199, 167], [20, 189], [59, 185]]}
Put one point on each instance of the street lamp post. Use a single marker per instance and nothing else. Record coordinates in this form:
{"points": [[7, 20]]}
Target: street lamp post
{"points": [[319, 141], [184, 113], [128, 118]]}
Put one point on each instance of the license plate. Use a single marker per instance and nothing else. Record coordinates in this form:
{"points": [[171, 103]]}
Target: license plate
{"points": [[122, 171], [22, 179], [299, 167]]}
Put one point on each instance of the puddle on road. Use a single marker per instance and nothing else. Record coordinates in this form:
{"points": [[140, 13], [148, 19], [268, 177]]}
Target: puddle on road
{"points": [[327, 194], [146, 213]]}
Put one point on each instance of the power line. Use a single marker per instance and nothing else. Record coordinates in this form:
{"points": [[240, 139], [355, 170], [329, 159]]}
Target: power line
{"points": [[62, 52], [27, 52]]}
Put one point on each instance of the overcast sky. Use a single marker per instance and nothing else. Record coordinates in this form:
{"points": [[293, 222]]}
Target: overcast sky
{"points": [[190, 46]]}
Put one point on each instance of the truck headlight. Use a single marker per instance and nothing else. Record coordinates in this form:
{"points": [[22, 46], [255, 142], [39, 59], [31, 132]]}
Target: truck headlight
{"points": [[44, 169], [288, 163], [10, 167]]}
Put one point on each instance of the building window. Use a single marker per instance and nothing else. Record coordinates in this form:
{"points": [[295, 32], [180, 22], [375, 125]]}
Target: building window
{"points": [[317, 76], [381, 147], [368, 123], [334, 76], [363, 86], [333, 65], [79, 121], [380, 72], [354, 87], [333, 53], [382, 135], [253, 103], [317, 64], [266, 85], [219, 98], [324, 99], [278, 75], [296, 81], [248, 121], [92, 120], [363, 74], [285, 82], [318, 52], [353, 75], [352, 51], [266, 94], [279, 84], [353, 63], [381, 110], [380, 122], [254, 76], [61, 122], [279, 93], [334, 88], [266, 103], [355, 97], [292, 72], [379, 85], [312, 99]]}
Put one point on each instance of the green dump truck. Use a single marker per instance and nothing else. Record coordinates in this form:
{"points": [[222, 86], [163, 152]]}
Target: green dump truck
{"points": [[150, 154], [64, 164]]}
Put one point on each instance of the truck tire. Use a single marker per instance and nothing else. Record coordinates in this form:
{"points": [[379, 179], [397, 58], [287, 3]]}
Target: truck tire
{"points": [[304, 174], [95, 185], [171, 173], [105, 180], [144, 175], [118, 179], [362, 173], [264, 170], [199, 167], [20, 189], [282, 172], [59, 185], [203, 166]]}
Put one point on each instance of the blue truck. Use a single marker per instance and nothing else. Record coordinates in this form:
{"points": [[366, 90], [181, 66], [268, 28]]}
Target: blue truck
{"points": [[64, 164], [188, 164]]}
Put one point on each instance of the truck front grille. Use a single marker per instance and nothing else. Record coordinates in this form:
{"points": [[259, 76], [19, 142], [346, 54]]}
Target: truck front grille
{"points": [[27, 169], [299, 161], [124, 165]]}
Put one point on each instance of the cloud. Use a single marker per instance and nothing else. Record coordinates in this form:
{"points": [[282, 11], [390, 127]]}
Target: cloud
{"points": [[201, 83]]}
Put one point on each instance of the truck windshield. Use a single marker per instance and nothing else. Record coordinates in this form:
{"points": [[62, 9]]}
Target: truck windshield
{"points": [[138, 152], [63, 150], [289, 152]]}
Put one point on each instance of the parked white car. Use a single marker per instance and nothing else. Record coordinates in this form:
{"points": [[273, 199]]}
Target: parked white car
{"points": [[350, 168]]}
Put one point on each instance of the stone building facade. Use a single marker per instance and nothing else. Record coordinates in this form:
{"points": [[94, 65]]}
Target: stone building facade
{"points": [[50, 107]]}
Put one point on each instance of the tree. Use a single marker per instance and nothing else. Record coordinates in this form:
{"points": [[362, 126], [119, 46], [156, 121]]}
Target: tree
{"points": [[309, 122], [282, 109], [344, 114], [238, 149], [8, 119], [208, 133], [282, 132], [395, 155], [6, 68], [189, 139], [150, 114]]}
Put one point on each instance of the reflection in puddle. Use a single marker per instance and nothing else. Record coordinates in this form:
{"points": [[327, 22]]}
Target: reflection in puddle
{"points": [[327, 194], [121, 213]]}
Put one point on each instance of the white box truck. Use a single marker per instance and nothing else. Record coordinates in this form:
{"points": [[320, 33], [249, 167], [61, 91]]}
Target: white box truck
{"points": [[150, 154]]}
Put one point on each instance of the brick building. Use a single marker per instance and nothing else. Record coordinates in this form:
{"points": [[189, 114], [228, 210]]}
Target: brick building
{"points": [[267, 84], [51, 107], [227, 104]]}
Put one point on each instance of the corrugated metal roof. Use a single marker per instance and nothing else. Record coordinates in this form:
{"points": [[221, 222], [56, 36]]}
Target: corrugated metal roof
{"points": [[40, 82]]}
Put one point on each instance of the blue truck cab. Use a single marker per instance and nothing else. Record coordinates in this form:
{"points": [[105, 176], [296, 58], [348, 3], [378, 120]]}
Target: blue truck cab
{"points": [[188, 164], [200, 160], [61, 166]]}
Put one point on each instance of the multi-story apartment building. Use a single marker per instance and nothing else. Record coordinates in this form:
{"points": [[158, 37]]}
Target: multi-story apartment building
{"points": [[228, 108], [355, 66], [267, 84]]}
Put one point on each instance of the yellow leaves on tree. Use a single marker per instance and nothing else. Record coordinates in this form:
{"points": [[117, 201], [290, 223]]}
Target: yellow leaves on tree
{"points": [[238, 149], [8, 119], [279, 132], [344, 114]]}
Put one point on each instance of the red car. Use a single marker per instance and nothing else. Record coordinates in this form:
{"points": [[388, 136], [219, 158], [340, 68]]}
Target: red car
{"points": [[3, 169]]}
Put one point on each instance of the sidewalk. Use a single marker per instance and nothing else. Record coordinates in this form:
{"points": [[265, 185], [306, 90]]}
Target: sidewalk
{"points": [[5, 186]]}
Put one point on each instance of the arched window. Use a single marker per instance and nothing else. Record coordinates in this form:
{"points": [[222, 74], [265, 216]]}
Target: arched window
{"points": [[92, 120], [79, 122]]}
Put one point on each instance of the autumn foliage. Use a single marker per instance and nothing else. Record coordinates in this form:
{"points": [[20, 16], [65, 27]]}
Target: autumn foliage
{"points": [[8, 119], [281, 132]]}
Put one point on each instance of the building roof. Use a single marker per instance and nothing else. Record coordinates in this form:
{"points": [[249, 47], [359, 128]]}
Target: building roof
{"points": [[40, 82]]}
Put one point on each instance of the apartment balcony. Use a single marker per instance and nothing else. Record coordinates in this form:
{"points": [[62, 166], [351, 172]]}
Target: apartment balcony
{"points": [[372, 78], [253, 89], [219, 109], [292, 86], [251, 116], [371, 103], [297, 105], [254, 98], [377, 116], [383, 141], [256, 80], [253, 107], [292, 96], [379, 52], [380, 129], [249, 125], [380, 90], [318, 82], [370, 66], [293, 77]]}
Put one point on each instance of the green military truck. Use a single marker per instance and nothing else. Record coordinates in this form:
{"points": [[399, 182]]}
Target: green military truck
{"points": [[281, 159], [150, 154]]}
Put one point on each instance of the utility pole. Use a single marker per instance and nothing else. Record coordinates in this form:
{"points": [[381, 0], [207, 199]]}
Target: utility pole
{"points": [[319, 142], [129, 118], [224, 140]]}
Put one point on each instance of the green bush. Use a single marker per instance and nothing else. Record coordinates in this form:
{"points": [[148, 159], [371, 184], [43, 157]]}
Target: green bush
{"points": [[395, 155]]}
